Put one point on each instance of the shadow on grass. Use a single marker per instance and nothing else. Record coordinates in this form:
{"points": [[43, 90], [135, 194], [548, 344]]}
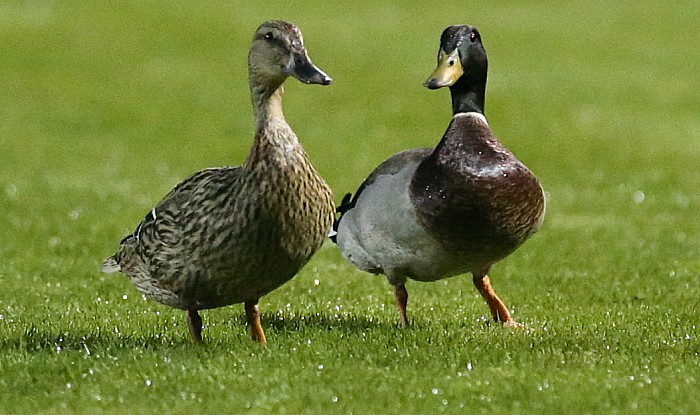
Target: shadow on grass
{"points": [[345, 323], [38, 339], [35, 338]]}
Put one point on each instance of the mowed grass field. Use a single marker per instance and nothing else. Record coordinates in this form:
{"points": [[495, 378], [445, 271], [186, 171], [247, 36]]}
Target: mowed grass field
{"points": [[104, 106]]}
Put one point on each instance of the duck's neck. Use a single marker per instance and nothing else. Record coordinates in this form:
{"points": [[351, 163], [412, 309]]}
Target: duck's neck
{"points": [[267, 104], [468, 95], [275, 142]]}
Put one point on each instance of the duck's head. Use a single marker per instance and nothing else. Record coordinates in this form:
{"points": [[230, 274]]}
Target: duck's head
{"points": [[461, 59], [277, 52]]}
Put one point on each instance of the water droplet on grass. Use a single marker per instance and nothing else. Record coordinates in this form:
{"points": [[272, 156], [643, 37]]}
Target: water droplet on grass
{"points": [[435, 391], [638, 197]]}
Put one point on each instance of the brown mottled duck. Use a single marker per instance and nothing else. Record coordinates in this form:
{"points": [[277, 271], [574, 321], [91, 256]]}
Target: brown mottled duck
{"points": [[232, 234], [428, 214]]}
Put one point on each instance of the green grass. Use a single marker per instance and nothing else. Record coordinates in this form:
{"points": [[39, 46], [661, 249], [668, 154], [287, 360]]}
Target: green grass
{"points": [[104, 107]]}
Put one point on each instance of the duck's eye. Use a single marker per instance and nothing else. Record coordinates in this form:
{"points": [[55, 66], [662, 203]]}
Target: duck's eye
{"points": [[472, 36], [269, 36], [451, 62]]}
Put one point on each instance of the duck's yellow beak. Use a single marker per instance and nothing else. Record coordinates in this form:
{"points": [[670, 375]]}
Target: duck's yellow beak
{"points": [[448, 71]]}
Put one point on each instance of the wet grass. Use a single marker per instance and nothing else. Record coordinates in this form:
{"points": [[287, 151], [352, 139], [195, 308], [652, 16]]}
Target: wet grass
{"points": [[105, 107]]}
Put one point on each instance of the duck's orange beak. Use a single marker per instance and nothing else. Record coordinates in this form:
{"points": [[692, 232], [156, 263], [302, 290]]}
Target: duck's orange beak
{"points": [[448, 71]]}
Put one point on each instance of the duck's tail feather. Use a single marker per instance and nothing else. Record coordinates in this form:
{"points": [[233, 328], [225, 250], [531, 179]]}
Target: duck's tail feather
{"points": [[111, 266], [345, 205]]}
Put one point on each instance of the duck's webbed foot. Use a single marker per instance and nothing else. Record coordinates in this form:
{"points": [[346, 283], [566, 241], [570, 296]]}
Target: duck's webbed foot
{"points": [[499, 311]]}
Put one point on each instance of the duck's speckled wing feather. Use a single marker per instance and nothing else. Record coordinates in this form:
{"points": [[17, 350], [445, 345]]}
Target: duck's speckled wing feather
{"points": [[179, 232], [172, 215]]}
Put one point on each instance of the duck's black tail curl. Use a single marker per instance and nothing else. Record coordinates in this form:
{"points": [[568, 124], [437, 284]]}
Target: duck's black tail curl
{"points": [[346, 204]]}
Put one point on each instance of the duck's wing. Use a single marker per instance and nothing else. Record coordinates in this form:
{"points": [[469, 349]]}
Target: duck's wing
{"points": [[165, 223], [390, 166]]}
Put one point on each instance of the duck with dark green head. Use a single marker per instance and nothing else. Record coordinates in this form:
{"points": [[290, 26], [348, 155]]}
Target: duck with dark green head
{"points": [[427, 214]]}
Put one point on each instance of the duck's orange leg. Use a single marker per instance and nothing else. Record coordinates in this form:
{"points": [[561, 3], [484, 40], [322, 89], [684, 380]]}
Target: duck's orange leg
{"points": [[499, 311], [402, 300], [253, 315]]}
